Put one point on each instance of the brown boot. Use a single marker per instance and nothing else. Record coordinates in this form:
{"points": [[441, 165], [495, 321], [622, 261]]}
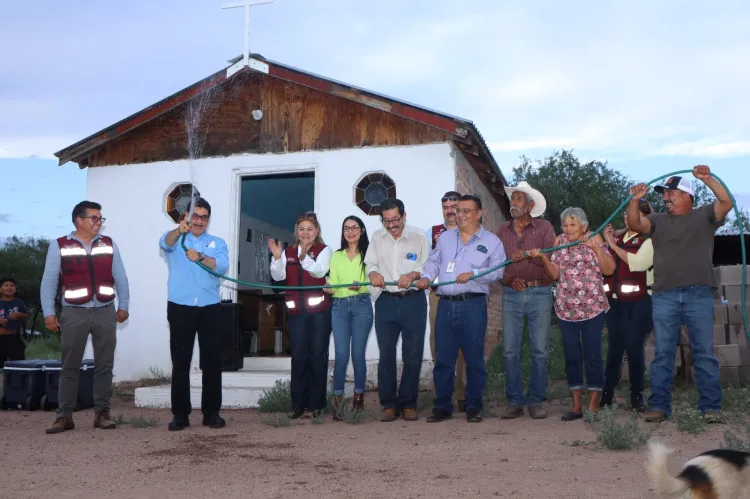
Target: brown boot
{"points": [[388, 415], [103, 421], [594, 398], [358, 404], [410, 415], [576, 411], [61, 424], [338, 405]]}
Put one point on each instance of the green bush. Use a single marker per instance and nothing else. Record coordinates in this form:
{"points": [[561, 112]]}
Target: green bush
{"points": [[616, 436], [690, 420], [277, 399], [44, 348]]}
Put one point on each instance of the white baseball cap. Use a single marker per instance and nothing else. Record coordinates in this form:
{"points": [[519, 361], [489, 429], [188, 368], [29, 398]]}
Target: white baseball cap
{"points": [[676, 183]]}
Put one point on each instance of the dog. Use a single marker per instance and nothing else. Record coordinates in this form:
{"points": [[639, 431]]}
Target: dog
{"points": [[714, 474]]}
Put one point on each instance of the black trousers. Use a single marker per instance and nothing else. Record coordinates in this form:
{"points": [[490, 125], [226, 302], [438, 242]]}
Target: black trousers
{"points": [[309, 337], [628, 324], [184, 323], [11, 348]]}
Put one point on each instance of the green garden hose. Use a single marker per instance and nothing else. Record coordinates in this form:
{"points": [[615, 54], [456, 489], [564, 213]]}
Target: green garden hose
{"points": [[547, 250]]}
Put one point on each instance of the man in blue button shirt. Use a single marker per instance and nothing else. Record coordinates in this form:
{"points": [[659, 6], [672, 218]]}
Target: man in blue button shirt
{"points": [[462, 311], [194, 305]]}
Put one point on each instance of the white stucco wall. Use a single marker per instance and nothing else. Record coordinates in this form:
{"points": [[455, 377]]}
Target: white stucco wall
{"points": [[132, 198]]}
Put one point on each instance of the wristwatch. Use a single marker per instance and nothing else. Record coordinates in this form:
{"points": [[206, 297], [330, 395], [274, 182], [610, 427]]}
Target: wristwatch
{"points": [[201, 256]]}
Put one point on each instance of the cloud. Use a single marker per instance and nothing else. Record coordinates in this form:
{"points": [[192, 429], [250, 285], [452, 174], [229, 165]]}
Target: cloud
{"points": [[608, 78], [5, 218], [715, 148]]}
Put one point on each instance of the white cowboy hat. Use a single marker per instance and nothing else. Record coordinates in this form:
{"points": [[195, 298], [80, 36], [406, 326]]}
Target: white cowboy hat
{"points": [[540, 204]]}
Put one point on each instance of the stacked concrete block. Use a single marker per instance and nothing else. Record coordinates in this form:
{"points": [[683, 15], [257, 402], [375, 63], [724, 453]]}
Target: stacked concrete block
{"points": [[729, 336]]}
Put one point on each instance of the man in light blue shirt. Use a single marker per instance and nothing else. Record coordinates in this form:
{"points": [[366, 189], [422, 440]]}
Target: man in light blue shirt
{"points": [[194, 306], [461, 255]]}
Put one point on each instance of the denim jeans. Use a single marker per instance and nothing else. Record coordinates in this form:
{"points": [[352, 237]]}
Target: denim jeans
{"points": [[535, 304], [352, 320], [693, 306], [460, 323], [405, 317], [628, 324], [582, 345]]}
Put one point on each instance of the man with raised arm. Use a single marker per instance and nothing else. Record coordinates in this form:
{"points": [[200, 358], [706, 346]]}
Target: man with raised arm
{"points": [[683, 240]]}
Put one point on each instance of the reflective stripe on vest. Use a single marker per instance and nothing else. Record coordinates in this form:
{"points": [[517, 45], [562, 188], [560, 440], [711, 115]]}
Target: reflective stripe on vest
{"points": [[624, 284], [309, 300]]}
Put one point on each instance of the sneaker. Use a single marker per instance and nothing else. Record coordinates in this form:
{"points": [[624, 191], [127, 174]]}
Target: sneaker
{"points": [[61, 424], [512, 412], [438, 414], [712, 417], [473, 415], [103, 421], [654, 416], [536, 412]]}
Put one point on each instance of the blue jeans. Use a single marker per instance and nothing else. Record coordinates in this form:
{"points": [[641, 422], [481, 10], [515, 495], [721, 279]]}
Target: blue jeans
{"points": [[460, 323], [534, 303], [352, 321], [405, 317], [582, 345], [694, 306]]}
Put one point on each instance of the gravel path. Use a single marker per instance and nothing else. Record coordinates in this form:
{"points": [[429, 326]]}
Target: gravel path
{"points": [[497, 458]]}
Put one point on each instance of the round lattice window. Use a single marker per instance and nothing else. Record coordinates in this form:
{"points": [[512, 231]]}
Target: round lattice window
{"points": [[177, 201], [371, 190]]}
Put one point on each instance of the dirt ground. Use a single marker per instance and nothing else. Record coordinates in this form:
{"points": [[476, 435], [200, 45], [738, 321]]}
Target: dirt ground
{"points": [[524, 458]]}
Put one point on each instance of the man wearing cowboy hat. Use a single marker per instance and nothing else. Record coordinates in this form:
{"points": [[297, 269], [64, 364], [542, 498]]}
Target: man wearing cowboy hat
{"points": [[527, 293]]}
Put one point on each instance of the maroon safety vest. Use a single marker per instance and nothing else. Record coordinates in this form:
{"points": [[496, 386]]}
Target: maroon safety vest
{"points": [[628, 285], [84, 276], [437, 229], [313, 300]]}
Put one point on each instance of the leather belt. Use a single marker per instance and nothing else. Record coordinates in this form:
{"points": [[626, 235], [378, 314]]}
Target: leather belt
{"points": [[462, 296], [533, 284], [404, 294]]}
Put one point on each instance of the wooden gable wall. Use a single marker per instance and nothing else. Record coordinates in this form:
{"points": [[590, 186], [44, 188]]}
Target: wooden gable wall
{"points": [[295, 118]]}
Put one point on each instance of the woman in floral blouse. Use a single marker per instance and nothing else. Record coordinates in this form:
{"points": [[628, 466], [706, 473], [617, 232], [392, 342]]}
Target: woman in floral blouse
{"points": [[580, 304]]}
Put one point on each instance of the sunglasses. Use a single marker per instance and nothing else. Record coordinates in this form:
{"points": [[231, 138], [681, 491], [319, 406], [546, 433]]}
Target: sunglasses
{"points": [[307, 214], [450, 198]]}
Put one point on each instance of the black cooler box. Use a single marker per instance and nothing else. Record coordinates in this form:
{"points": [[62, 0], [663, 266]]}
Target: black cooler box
{"points": [[23, 384], [50, 399]]}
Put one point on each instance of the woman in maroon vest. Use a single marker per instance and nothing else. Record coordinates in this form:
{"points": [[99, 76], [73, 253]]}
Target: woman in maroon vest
{"points": [[629, 317], [306, 263]]}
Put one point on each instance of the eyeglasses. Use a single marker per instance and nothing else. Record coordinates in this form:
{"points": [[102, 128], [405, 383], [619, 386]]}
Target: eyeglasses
{"points": [[204, 218], [94, 219], [450, 198], [352, 228], [307, 214], [391, 221], [465, 210]]}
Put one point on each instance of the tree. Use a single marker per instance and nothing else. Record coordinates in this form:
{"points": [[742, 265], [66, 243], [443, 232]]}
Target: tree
{"points": [[704, 196], [565, 181], [23, 260]]}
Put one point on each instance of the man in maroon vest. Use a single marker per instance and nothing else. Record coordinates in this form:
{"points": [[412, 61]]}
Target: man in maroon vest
{"points": [[450, 202], [86, 267]]}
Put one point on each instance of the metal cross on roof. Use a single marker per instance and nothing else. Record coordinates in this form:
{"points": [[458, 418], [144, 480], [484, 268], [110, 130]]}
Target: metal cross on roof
{"points": [[246, 59]]}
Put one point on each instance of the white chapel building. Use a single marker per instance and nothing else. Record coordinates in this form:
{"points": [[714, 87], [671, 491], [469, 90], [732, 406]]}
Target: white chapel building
{"points": [[262, 143]]}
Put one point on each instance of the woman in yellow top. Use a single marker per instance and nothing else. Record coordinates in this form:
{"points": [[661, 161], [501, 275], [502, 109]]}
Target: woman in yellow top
{"points": [[352, 314]]}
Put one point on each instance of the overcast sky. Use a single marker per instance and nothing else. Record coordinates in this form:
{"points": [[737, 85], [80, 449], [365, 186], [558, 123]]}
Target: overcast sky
{"points": [[650, 87]]}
